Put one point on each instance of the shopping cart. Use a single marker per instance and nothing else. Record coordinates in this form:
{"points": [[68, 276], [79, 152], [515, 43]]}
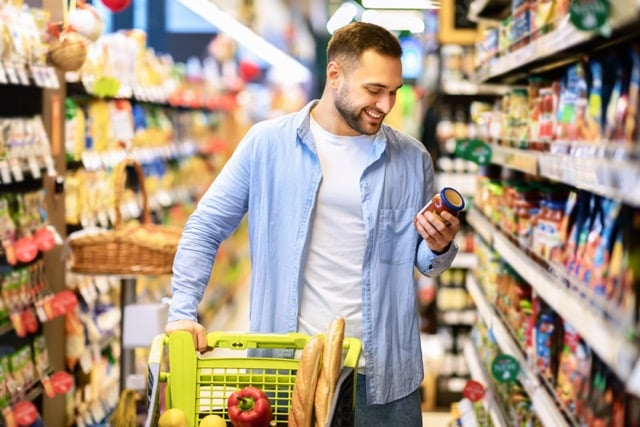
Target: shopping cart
{"points": [[199, 385]]}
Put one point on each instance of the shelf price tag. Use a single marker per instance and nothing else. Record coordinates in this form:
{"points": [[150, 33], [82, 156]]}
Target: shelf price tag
{"points": [[23, 75], [49, 165], [505, 368], [25, 413], [34, 167], [3, 75], [589, 15], [5, 173], [16, 170], [12, 75], [473, 390]]}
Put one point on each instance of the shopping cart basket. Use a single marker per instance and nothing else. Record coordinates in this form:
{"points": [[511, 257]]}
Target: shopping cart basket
{"points": [[199, 385]]}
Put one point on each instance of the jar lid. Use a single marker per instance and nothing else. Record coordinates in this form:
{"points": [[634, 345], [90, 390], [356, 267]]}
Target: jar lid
{"points": [[452, 198]]}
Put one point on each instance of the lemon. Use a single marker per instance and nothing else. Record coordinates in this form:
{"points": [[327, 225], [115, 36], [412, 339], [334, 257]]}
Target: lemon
{"points": [[173, 417], [213, 421]]}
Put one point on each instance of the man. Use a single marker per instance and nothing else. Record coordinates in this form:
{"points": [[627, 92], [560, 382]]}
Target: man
{"points": [[331, 195]]}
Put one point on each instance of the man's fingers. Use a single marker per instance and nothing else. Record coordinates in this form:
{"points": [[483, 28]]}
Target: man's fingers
{"points": [[200, 338], [197, 331]]}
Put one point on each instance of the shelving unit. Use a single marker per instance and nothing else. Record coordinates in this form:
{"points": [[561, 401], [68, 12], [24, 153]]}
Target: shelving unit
{"points": [[611, 343], [616, 179], [544, 403], [603, 169], [563, 44]]}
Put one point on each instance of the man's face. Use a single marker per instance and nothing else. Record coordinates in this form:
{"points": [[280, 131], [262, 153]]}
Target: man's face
{"points": [[366, 92]]}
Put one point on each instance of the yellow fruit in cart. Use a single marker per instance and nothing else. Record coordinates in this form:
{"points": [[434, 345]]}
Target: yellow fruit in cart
{"points": [[213, 421], [173, 417]]}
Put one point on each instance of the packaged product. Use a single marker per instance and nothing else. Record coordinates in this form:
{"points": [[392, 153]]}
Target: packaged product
{"points": [[632, 119], [548, 340], [618, 103], [623, 278], [574, 370], [603, 244], [594, 124]]}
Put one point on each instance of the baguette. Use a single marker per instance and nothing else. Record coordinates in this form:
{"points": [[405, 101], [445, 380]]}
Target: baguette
{"points": [[331, 365], [304, 388]]}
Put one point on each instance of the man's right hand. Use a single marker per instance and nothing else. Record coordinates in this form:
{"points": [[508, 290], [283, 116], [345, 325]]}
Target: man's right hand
{"points": [[197, 331]]}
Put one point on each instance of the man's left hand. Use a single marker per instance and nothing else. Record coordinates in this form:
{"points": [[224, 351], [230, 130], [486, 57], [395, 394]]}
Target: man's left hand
{"points": [[437, 231]]}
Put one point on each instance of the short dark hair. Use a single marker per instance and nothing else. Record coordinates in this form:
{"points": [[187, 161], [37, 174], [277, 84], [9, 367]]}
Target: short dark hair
{"points": [[349, 42]]}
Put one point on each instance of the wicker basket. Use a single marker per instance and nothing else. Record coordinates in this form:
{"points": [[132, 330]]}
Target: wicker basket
{"points": [[68, 52], [144, 248]]}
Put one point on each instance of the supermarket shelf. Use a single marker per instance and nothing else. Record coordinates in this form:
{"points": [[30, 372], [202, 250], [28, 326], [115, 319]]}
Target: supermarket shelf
{"points": [[465, 87], [544, 404], [479, 373], [546, 49], [605, 338], [617, 179], [465, 260], [513, 158]]}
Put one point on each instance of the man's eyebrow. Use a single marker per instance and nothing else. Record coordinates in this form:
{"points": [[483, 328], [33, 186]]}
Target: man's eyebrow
{"points": [[380, 85]]}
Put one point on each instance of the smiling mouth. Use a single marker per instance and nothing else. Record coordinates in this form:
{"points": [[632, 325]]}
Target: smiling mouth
{"points": [[373, 114]]}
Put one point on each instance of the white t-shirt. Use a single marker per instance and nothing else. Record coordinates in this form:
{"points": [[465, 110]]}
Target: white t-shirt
{"points": [[332, 273]]}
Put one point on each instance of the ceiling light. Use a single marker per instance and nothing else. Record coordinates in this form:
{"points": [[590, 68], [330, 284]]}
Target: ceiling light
{"points": [[244, 36], [395, 20], [342, 16], [401, 4]]}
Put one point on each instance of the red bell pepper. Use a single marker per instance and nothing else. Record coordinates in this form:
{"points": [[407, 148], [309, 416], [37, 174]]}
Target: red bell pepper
{"points": [[249, 407]]}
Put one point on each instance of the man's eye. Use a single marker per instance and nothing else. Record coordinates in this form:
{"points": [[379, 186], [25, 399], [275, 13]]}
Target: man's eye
{"points": [[373, 91]]}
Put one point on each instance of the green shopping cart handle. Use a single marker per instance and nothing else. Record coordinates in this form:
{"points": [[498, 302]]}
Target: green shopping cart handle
{"points": [[245, 340], [292, 340]]}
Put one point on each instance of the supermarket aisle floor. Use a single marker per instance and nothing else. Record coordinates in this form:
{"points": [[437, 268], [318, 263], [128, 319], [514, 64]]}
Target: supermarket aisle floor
{"points": [[436, 419], [237, 319]]}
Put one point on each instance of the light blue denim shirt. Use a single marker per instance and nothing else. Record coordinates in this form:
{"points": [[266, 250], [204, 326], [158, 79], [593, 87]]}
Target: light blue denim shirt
{"points": [[274, 175]]}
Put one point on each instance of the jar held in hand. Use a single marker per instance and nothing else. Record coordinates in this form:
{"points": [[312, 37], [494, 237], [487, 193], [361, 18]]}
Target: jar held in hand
{"points": [[447, 199]]}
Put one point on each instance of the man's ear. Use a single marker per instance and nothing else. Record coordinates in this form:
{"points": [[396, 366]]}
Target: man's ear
{"points": [[333, 73]]}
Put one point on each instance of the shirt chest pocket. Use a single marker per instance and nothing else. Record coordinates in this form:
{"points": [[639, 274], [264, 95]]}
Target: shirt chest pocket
{"points": [[397, 236]]}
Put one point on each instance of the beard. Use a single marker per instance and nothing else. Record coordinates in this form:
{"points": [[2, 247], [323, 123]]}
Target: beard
{"points": [[355, 118]]}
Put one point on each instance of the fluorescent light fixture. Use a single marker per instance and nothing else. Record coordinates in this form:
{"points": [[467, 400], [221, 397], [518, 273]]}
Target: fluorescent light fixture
{"points": [[243, 35], [342, 16], [401, 4], [395, 20]]}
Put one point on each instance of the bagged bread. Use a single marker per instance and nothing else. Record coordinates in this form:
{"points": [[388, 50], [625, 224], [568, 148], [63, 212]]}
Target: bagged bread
{"points": [[331, 366], [304, 388]]}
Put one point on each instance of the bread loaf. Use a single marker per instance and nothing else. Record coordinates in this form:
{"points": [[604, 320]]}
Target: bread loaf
{"points": [[331, 366], [304, 388]]}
